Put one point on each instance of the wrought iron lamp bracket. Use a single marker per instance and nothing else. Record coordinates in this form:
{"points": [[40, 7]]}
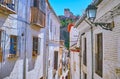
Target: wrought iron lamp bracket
{"points": [[106, 26]]}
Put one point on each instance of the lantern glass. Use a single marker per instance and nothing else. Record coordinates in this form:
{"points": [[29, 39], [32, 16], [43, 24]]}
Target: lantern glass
{"points": [[91, 12]]}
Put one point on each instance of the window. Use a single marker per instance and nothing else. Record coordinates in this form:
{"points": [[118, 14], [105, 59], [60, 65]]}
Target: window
{"points": [[36, 43], [9, 3], [51, 25], [99, 54], [48, 16], [35, 46], [42, 5], [85, 53], [0, 48], [0, 38], [84, 76], [55, 30], [13, 45], [51, 30], [36, 3], [41, 78], [55, 60]]}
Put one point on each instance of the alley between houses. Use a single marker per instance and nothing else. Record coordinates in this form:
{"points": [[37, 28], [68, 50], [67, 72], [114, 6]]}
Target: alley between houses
{"points": [[59, 39]]}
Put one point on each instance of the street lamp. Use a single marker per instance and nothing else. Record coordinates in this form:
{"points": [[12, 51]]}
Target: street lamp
{"points": [[91, 14]]}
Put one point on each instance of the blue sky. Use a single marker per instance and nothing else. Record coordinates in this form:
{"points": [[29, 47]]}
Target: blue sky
{"points": [[75, 6]]}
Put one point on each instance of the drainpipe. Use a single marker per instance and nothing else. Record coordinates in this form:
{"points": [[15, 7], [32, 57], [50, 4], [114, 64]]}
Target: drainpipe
{"points": [[25, 39], [47, 56], [80, 53], [91, 46], [92, 52]]}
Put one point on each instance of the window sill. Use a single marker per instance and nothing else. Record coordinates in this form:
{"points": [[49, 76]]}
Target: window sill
{"points": [[85, 65], [99, 73], [34, 55], [12, 57], [54, 72]]}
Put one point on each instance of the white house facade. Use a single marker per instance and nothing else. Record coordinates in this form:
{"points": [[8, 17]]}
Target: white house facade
{"points": [[74, 54], [22, 39], [100, 47], [53, 39]]}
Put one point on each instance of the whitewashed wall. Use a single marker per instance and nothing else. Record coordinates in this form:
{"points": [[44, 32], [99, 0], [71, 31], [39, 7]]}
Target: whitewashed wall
{"points": [[13, 69], [110, 41]]}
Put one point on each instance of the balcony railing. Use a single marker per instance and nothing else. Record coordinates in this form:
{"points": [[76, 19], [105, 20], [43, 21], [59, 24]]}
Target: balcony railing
{"points": [[7, 6], [37, 17]]}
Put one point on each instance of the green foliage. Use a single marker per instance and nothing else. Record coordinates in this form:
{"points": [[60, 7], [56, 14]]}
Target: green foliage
{"points": [[65, 22], [64, 35], [67, 44]]}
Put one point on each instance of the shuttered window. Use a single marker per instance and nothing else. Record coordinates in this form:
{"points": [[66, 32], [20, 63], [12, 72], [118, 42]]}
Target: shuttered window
{"points": [[1, 54], [99, 54], [0, 38], [36, 3], [13, 44], [35, 46], [55, 60], [40, 4], [85, 52], [84, 76]]}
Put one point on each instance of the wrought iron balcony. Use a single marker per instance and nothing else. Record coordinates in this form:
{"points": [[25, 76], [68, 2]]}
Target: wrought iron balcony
{"points": [[7, 6], [37, 18]]}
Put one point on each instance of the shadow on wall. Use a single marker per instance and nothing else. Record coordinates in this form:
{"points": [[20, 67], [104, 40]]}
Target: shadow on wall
{"points": [[3, 19], [31, 63], [6, 68]]}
